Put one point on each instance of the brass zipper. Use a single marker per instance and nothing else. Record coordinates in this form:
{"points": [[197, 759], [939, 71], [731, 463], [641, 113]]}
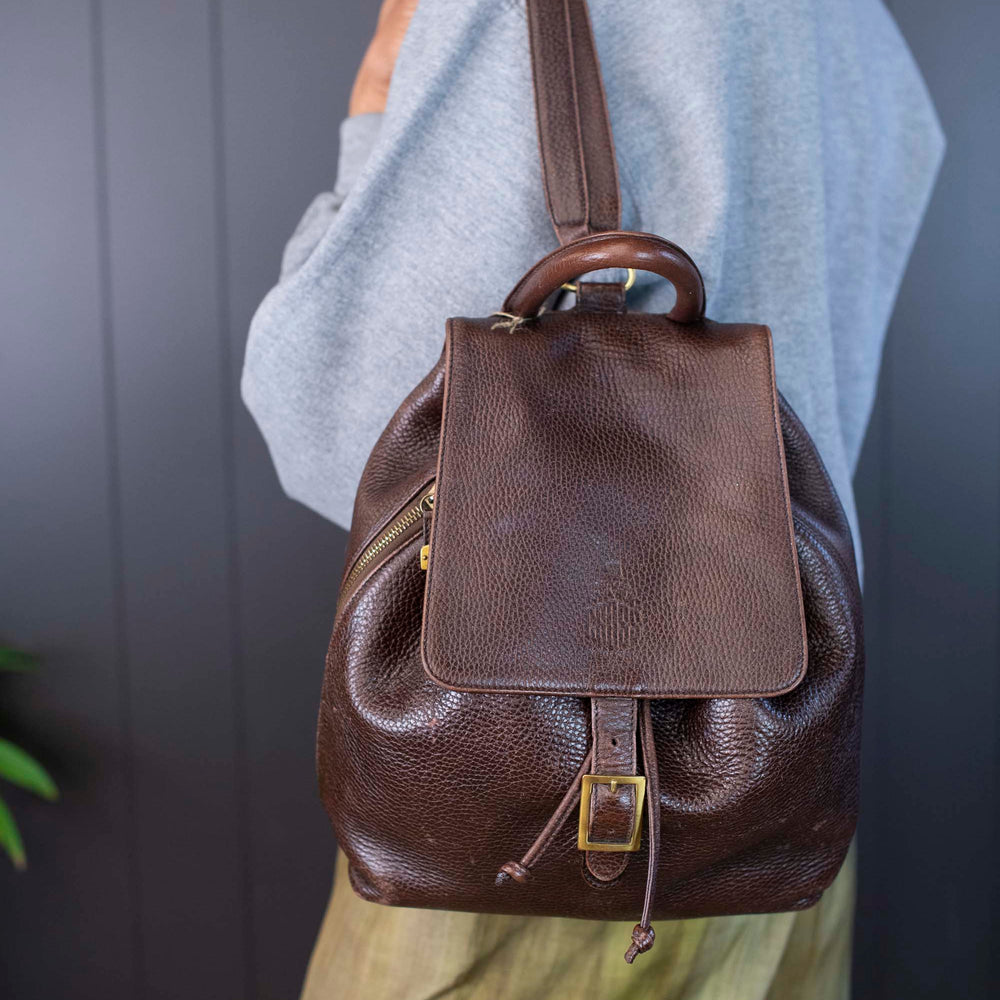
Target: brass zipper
{"points": [[401, 526]]}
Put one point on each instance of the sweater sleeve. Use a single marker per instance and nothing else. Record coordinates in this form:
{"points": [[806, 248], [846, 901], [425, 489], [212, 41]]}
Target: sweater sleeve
{"points": [[358, 136], [792, 156], [445, 205]]}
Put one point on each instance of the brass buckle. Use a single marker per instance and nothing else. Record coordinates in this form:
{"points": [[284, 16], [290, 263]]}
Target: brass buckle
{"points": [[614, 780]]}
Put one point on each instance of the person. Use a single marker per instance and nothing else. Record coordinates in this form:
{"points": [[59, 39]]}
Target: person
{"points": [[791, 149]]}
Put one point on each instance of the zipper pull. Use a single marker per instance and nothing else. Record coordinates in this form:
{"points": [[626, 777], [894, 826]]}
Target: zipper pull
{"points": [[426, 509]]}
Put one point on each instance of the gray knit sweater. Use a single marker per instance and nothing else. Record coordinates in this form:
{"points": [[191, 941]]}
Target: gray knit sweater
{"points": [[790, 147]]}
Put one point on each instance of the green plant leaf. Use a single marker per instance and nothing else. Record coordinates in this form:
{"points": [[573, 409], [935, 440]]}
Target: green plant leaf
{"points": [[20, 768], [10, 838], [16, 659]]}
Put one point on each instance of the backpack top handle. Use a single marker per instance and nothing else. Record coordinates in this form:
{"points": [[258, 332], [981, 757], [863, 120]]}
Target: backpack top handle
{"points": [[642, 251]]}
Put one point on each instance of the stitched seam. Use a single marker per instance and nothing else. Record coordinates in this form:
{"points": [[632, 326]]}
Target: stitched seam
{"points": [[575, 90], [795, 588], [543, 134], [430, 593], [609, 134]]}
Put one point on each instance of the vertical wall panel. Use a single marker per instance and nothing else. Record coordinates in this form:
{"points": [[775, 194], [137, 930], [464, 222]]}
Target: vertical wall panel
{"points": [[155, 158], [929, 870], [175, 520], [874, 834], [67, 924], [285, 84]]}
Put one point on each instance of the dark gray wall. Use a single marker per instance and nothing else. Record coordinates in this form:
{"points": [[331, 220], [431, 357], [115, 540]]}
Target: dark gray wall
{"points": [[154, 158], [929, 492]]}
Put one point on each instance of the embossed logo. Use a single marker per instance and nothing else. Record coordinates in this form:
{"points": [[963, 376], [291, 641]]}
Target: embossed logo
{"points": [[615, 618], [612, 624]]}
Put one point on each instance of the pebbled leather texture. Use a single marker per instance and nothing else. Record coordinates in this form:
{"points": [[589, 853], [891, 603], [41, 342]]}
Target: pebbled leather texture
{"points": [[752, 802], [611, 514], [431, 791]]}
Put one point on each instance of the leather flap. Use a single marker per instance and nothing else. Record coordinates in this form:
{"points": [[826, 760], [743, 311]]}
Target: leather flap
{"points": [[611, 514]]}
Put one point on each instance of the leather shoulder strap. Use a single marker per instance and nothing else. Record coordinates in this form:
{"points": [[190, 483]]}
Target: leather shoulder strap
{"points": [[574, 133]]}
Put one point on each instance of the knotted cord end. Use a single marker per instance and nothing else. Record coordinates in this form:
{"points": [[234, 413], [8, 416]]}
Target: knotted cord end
{"points": [[642, 941], [507, 321], [512, 870]]}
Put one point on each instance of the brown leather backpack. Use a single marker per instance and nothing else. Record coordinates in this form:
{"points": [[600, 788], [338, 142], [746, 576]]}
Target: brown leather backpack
{"points": [[596, 566]]}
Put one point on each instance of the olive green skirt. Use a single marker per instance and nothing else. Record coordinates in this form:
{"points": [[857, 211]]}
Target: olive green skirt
{"points": [[382, 953]]}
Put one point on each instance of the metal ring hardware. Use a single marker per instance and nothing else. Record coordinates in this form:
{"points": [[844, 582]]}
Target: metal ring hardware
{"points": [[572, 286]]}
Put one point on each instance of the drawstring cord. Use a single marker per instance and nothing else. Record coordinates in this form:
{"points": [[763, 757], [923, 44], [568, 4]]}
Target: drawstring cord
{"points": [[642, 934], [518, 870]]}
